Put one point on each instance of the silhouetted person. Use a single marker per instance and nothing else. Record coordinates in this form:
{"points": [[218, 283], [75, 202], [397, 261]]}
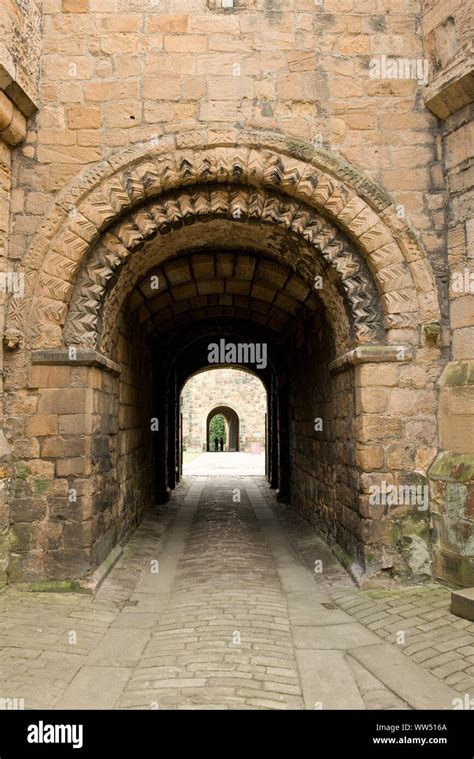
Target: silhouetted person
{"points": [[216, 444], [221, 443]]}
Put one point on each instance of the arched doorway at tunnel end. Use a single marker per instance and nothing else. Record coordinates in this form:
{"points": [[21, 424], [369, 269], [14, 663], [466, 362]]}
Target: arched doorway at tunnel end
{"points": [[237, 398], [223, 237], [230, 435]]}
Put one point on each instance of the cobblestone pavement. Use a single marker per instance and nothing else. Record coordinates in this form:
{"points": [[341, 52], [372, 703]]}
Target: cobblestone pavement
{"points": [[416, 618], [215, 604]]}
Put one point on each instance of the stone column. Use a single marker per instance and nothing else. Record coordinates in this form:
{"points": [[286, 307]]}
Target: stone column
{"points": [[273, 436], [448, 40], [63, 512], [160, 452], [394, 430], [283, 444], [12, 133]]}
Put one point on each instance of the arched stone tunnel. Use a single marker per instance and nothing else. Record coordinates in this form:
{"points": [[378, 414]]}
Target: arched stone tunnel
{"points": [[231, 421], [242, 239]]}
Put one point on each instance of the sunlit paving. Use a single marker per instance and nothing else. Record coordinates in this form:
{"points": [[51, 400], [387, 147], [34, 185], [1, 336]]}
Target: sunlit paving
{"points": [[226, 463]]}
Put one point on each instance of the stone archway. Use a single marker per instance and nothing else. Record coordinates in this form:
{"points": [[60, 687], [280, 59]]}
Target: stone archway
{"points": [[232, 427], [122, 187], [239, 229]]}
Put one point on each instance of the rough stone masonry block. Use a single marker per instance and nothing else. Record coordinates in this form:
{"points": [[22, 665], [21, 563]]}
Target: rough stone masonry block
{"points": [[67, 563], [50, 376], [379, 428], [67, 446], [462, 603], [65, 401], [384, 375], [457, 407]]}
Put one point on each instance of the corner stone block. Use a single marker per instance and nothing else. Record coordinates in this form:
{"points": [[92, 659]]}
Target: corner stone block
{"points": [[456, 419], [67, 563], [68, 400], [50, 376], [462, 603], [378, 375], [376, 428]]}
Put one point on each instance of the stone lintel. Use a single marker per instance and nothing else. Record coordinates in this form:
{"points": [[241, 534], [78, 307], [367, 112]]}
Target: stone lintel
{"points": [[84, 357], [17, 84], [372, 354], [444, 98]]}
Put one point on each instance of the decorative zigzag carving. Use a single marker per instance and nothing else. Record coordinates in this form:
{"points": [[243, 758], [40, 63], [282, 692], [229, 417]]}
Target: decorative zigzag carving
{"points": [[318, 181], [189, 206]]}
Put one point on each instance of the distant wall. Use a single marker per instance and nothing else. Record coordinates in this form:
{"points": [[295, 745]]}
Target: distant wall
{"points": [[224, 387]]}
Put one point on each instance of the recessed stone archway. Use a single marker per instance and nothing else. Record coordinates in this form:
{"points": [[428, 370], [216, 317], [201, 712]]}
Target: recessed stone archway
{"points": [[232, 427], [236, 227], [338, 265]]}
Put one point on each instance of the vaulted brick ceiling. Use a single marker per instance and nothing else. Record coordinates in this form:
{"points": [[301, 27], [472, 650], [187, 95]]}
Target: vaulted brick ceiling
{"points": [[221, 283]]}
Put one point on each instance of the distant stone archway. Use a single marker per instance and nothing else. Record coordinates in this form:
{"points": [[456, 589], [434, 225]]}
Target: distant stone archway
{"points": [[233, 427]]}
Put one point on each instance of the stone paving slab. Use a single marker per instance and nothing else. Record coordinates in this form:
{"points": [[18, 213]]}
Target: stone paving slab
{"points": [[418, 688], [235, 618], [307, 608], [95, 688], [328, 681], [336, 636], [421, 613], [120, 648]]}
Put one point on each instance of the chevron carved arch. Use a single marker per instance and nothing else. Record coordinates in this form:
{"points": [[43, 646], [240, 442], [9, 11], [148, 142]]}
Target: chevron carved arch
{"points": [[313, 178], [238, 206]]}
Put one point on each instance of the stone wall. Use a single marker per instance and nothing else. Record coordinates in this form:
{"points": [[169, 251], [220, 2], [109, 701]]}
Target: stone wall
{"points": [[132, 461], [357, 432], [20, 49], [243, 392], [324, 479], [448, 29], [117, 75], [83, 432]]}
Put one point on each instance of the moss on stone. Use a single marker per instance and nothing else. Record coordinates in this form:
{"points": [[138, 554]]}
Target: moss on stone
{"points": [[432, 332], [41, 485], [457, 467], [458, 373], [343, 556], [22, 471], [380, 593], [53, 586], [21, 537]]}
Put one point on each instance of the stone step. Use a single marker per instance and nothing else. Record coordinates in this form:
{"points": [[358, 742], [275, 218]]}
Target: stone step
{"points": [[462, 603]]}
